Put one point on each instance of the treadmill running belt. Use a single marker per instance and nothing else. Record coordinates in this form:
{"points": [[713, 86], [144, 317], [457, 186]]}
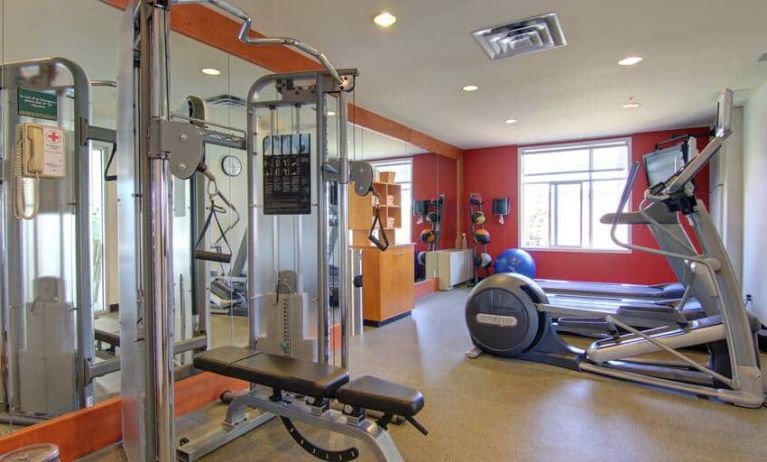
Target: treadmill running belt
{"points": [[606, 289]]}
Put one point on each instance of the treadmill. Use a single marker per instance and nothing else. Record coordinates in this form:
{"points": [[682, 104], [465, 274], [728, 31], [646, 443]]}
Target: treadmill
{"points": [[659, 165], [578, 314], [668, 291], [638, 305]]}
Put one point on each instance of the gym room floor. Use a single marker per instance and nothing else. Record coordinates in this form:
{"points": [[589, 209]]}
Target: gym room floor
{"points": [[492, 409]]}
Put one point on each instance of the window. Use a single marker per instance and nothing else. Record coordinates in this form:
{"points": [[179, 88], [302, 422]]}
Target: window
{"points": [[566, 189], [404, 177], [96, 209]]}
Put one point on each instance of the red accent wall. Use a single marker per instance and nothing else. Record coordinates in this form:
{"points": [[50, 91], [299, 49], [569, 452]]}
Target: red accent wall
{"points": [[493, 172], [433, 175]]}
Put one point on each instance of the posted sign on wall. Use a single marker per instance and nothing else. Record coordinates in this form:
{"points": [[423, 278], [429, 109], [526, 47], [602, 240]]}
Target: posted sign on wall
{"points": [[33, 103]]}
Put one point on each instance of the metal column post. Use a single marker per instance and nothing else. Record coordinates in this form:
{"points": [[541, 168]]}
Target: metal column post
{"points": [[344, 277], [323, 304], [145, 185], [251, 142]]}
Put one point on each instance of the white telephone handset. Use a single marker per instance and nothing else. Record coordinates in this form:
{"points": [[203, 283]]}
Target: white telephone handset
{"points": [[39, 153]]}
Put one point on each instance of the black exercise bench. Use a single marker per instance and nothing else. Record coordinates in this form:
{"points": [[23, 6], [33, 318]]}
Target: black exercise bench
{"points": [[303, 390]]}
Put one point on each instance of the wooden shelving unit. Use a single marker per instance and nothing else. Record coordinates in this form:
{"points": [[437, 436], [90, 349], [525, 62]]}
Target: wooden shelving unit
{"points": [[362, 209], [387, 276]]}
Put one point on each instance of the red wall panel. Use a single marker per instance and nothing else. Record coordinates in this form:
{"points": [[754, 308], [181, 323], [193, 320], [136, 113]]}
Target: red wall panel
{"points": [[493, 172], [433, 175]]}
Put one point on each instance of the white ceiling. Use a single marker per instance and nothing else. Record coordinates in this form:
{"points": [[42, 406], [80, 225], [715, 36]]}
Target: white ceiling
{"points": [[86, 31], [413, 72]]}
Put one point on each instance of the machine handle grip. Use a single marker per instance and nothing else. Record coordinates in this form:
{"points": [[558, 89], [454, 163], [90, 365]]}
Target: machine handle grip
{"points": [[212, 256], [417, 425], [616, 218]]}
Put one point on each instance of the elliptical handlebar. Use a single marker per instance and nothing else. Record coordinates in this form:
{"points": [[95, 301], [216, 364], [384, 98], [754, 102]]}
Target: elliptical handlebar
{"points": [[625, 195], [238, 13]]}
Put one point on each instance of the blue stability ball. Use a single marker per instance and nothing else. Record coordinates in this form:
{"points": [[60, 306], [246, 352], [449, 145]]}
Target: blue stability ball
{"points": [[515, 261]]}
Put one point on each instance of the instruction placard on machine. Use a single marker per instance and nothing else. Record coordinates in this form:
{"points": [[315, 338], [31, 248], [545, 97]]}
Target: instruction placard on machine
{"points": [[287, 175]]}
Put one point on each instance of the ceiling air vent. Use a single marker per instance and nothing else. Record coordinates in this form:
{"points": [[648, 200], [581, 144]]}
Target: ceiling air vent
{"points": [[226, 101], [521, 37]]}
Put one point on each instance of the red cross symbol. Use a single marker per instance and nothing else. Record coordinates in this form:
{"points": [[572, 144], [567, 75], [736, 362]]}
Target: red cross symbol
{"points": [[53, 137]]}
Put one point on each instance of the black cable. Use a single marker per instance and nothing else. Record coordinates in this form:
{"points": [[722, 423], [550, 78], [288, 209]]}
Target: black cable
{"points": [[107, 176]]}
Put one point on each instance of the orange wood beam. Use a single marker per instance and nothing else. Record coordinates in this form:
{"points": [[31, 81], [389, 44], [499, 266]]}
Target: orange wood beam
{"points": [[76, 434], [373, 121], [220, 31], [83, 432]]}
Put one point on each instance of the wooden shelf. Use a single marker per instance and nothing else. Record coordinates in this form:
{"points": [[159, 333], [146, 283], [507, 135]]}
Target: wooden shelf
{"points": [[361, 210], [388, 290]]}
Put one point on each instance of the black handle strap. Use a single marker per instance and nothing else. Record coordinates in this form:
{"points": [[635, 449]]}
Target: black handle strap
{"points": [[207, 255], [107, 176], [381, 244]]}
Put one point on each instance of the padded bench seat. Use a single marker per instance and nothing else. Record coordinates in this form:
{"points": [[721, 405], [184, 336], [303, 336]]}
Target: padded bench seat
{"points": [[278, 372], [380, 395]]}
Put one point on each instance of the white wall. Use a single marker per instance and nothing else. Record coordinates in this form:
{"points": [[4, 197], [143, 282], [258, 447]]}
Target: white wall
{"points": [[726, 192], [755, 198]]}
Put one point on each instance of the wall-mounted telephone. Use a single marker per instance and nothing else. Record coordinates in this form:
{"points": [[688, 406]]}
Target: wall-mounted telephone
{"points": [[39, 153]]}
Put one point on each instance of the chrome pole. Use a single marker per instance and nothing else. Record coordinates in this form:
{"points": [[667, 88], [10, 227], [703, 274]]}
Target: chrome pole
{"points": [[274, 129], [253, 182], [298, 219], [357, 300], [10, 251], [344, 278], [157, 258], [322, 229], [4, 299]]}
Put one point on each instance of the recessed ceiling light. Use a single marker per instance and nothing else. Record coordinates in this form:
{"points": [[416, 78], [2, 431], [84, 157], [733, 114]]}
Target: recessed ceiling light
{"points": [[470, 88], [630, 61], [510, 121], [384, 19], [331, 113], [631, 104], [210, 71]]}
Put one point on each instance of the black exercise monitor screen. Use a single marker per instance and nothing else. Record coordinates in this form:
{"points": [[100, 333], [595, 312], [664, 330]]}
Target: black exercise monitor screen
{"points": [[663, 163]]}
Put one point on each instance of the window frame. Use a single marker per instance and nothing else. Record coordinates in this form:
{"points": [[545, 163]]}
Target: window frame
{"points": [[99, 153], [571, 146], [378, 164]]}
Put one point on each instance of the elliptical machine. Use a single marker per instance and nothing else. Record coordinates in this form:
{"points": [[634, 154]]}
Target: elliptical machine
{"points": [[509, 315]]}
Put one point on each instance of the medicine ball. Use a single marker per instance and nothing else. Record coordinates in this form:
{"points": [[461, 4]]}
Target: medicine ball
{"points": [[482, 236], [432, 217], [428, 236], [484, 260], [478, 218], [515, 261], [421, 258]]}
